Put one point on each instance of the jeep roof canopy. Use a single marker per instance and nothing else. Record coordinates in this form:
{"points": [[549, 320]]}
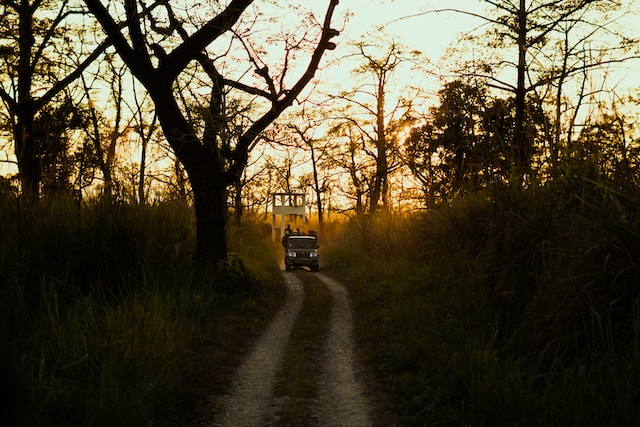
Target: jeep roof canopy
{"points": [[302, 242]]}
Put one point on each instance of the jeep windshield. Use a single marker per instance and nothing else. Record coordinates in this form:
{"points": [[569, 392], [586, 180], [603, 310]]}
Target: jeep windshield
{"points": [[301, 243]]}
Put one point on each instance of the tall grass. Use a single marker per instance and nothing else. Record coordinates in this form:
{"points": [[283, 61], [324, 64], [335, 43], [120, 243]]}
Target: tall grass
{"points": [[509, 308], [107, 321]]}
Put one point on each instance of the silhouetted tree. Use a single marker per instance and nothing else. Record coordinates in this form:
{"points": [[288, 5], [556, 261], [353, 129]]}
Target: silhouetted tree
{"points": [[159, 48], [533, 28], [38, 61], [377, 128]]}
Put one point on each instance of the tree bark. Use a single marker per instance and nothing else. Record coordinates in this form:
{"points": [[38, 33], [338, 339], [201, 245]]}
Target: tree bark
{"points": [[26, 154], [380, 179], [210, 207], [206, 178]]}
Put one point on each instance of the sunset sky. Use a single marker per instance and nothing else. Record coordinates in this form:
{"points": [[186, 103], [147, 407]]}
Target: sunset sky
{"points": [[431, 33], [418, 25]]}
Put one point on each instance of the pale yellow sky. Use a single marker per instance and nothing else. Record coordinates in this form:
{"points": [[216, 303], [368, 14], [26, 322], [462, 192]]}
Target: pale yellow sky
{"points": [[430, 33]]}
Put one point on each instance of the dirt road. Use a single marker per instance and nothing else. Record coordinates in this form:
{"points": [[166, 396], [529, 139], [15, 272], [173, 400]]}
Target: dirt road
{"points": [[338, 397]]}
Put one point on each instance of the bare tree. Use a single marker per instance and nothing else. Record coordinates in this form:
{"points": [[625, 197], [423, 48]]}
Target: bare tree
{"points": [[103, 132], [371, 115], [252, 177], [146, 132], [348, 156], [315, 151], [529, 26], [158, 67]]}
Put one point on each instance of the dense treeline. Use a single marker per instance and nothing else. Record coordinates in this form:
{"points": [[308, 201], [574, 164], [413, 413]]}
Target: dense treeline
{"points": [[362, 141]]}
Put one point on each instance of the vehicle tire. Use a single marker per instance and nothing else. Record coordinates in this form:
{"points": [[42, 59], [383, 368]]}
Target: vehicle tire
{"points": [[315, 268], [288, 267]]}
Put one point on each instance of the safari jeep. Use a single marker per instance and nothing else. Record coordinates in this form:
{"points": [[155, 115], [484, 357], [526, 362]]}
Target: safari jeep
{"points": [[301, 250]]}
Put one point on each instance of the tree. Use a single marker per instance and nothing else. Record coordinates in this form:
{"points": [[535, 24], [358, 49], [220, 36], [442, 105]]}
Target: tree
{"points": [[423, 157], [52, 133], [258, 184], [461, 145], [146, 132], [253, 176], [447, 153], [373, 119], [102, 131], [535, 29], [349, 158], [529, 28], [609, 147], [585, 55], [37, 58], [159, 47], [316, 153]]}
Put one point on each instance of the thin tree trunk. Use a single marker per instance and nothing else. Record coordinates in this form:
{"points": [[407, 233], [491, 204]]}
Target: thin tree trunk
{"points": [[28, 164], [237, 200], [519, 136], [143, 160]]}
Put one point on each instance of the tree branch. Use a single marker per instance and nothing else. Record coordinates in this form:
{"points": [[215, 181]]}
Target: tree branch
{"points": [[278, 106]]}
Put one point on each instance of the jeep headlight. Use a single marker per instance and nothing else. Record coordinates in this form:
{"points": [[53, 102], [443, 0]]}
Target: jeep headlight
{"points": [[291, 254], [313, 254]]}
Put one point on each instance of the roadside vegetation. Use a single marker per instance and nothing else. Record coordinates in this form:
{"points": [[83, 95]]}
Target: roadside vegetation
{"points": [[105, 322], [504, 308]]}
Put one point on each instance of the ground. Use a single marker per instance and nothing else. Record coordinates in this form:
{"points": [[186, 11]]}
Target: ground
{"points": [[304, 369]]}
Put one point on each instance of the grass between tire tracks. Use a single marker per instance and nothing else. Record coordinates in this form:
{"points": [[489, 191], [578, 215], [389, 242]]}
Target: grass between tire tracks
{"points": [[297, 386]]}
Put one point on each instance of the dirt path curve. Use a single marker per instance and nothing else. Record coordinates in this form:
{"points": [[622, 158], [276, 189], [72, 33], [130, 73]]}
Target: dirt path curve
{"points": [[340, 401]]}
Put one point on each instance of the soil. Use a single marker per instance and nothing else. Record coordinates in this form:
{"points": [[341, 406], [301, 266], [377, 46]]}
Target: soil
{"points": [[346, 393]]}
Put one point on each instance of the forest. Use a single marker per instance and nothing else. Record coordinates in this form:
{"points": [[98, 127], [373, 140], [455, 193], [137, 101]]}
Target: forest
{"points": [[483, 208]]}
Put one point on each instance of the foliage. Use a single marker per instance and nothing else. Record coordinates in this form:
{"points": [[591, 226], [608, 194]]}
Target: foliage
{"points": [[461, 147], [509, 307], [107, 320]]}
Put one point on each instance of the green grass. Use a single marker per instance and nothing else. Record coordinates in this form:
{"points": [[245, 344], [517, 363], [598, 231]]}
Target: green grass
{"points": [[109, 324], [511, 308]]}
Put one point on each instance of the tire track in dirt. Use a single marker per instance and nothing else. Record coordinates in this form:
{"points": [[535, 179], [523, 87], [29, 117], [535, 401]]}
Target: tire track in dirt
{"points": [[249, 402], [340, 401]]}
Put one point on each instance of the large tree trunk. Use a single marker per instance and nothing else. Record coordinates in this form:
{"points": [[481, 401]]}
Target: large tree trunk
{"points": [[210, 207], [205, 175], [24, 111]]}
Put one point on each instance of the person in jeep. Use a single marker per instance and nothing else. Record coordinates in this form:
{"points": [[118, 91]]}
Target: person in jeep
{"points": [[287, 233]]}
